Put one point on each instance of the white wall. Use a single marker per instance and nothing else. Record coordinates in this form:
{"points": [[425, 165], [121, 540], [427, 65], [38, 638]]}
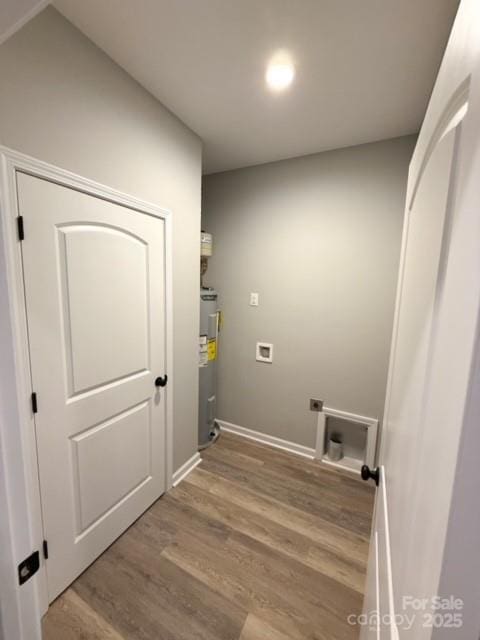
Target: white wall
{"points": [[319, 238], [65, 102]]}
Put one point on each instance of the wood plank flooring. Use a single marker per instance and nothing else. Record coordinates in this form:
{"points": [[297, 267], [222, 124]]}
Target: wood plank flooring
{"points": [[255, 544]]}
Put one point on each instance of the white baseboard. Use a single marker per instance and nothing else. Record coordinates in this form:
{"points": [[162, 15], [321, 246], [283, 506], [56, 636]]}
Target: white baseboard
{"points": [[186, 468], [291, 447]]}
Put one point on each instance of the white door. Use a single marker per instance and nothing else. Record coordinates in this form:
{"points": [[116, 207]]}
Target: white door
{"points": [[431, 360], [94, 276]]}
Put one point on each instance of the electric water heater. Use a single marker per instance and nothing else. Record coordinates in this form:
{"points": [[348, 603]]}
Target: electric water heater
{"points": [[208, 351]]}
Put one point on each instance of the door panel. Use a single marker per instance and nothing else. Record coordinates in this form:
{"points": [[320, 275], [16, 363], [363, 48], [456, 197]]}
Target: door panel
{"points": [[423, 402], [95, 295], [114, 455], [86, 253], [432, 351], [413, 432]]}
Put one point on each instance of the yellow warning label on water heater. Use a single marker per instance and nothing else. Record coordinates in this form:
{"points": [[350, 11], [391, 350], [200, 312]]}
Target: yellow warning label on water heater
{"points": [[212, 349]]}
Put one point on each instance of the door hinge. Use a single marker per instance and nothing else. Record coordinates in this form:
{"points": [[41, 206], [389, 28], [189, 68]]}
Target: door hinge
{"points": [[45, 549], [34, 402], [28, 567], [21, 230]]}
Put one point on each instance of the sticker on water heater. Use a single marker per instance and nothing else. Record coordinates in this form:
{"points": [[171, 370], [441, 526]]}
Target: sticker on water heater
{"points": [[212, 349], [202, 351]]}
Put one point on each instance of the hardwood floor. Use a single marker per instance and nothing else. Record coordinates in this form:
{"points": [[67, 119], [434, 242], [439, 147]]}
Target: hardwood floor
{"points": [[255, 544]]}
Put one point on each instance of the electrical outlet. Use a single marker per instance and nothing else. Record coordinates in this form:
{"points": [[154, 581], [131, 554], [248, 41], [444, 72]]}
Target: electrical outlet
{"points": [[254, 299], [316, 405]]}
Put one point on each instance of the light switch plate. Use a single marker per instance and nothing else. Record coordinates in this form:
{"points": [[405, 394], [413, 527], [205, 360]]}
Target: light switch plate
{"points": [[254, 299]]}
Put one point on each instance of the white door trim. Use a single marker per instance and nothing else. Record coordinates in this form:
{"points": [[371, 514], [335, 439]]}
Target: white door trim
{"points": [[21, 531]]}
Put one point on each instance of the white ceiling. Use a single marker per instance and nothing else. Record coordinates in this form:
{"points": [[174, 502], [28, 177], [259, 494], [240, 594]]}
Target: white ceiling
{"points": [[365, 68]]}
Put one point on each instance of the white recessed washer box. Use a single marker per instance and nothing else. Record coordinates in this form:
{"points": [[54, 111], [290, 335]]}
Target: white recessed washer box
{"points": [[264, 352]]}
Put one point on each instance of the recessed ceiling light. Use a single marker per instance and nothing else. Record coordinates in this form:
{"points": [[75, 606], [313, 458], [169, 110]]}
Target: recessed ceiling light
{"points": [[280, 72]]}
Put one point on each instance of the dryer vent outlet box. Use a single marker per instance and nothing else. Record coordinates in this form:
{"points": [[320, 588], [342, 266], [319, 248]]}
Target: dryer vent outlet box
{"points": [[264, 352]]}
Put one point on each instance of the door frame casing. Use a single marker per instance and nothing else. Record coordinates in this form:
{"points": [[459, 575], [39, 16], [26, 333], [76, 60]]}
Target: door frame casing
{"points": [[21, 531]]}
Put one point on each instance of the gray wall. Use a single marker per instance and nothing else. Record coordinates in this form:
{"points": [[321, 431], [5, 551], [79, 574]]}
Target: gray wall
{"points": [[318, 238], [64, 101]]}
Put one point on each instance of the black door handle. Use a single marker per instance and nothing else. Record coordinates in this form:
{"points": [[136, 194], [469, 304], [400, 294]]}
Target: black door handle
{"points": [[161, 382], [367, 473]]}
